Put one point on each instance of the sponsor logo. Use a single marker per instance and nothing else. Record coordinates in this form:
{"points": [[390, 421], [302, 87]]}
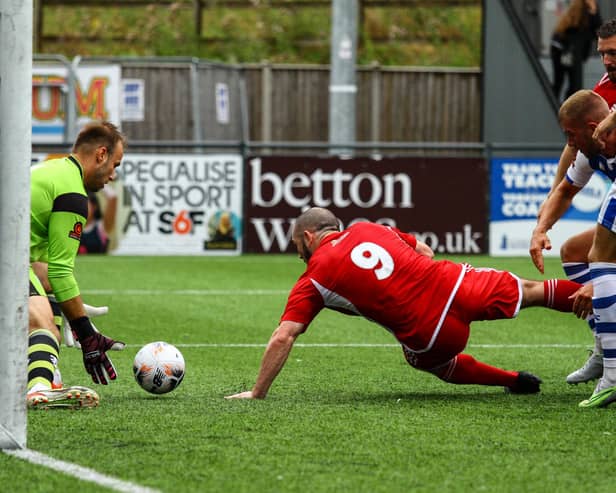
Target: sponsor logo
{"points": [[334, 188], [397, 192], [274, 234], [75, 233]]}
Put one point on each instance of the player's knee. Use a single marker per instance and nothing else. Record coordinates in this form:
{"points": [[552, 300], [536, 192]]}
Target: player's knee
{"points": [[442, 371], [40, 315], [427, 364], [38, 323], [415, 360], [575, 249], [570, 253], [532, 293]]}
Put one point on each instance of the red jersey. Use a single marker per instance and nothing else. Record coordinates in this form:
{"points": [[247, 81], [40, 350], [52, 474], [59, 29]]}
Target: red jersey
{"points": [[374, 271], [606, 89]]}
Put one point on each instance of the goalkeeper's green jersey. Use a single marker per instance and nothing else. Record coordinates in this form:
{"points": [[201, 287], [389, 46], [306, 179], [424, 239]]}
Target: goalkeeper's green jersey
{"points": [[59, 209]]}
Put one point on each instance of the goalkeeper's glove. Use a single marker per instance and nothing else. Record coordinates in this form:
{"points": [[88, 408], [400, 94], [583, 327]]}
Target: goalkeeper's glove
{"points": [[94, 346], [91, 311]]}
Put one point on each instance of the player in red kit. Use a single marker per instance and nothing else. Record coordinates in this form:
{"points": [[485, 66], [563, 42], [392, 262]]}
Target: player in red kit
{"points": [[574, 251], [390, 278]]}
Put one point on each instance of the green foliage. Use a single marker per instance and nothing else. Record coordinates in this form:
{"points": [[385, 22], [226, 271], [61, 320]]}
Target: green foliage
{"points": [[448, 36], [338, 418]]}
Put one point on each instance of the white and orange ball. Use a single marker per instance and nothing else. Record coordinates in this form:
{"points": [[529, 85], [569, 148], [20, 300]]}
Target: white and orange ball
{"points": [[159, 367]]}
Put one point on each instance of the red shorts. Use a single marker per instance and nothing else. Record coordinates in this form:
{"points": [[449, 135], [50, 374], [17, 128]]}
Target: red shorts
{"points": [[484, 294]]}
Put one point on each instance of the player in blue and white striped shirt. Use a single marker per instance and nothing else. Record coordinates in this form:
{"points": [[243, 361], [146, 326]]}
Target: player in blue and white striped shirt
{"points": [[580, 116]]}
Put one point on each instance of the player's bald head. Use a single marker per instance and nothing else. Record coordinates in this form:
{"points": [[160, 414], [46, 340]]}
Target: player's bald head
{"points": [[582, 107], [316, 219]]}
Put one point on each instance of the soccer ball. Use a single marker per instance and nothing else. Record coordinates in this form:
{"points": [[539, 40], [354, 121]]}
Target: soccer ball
{"points": [[159, 367]]}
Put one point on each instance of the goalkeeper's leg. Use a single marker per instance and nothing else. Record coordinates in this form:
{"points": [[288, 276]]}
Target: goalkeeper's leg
{"points": [[43, 355]]}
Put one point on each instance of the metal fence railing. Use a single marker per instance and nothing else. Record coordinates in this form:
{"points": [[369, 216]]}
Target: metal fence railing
{"points": [[287, 103]]}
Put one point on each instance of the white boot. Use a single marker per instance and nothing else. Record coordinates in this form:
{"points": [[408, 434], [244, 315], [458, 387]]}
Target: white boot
{"points": [[592, 369]]}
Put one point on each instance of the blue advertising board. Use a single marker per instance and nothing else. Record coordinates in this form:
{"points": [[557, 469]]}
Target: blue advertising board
{"points": [[518, 187]]}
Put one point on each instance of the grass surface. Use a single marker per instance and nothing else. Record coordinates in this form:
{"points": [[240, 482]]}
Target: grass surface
{"points": [[338, 418]]}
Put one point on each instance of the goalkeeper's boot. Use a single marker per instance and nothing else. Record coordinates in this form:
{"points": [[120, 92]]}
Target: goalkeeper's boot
{"points": [[57, 379], [601, 397], [592, 369], [526, 383], [67, 398]]}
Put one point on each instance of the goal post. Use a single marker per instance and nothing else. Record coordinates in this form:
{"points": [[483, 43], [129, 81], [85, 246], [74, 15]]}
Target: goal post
{"points": [[15, 158], [343, 77]]}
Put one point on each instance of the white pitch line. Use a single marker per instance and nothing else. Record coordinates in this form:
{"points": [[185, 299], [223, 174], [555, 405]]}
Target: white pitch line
{"points": [[529, 346], [79, 472], [186, 292], [359, 345]]}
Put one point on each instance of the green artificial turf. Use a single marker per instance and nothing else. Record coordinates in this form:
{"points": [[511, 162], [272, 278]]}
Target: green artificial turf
{"points": [[345, 414]]}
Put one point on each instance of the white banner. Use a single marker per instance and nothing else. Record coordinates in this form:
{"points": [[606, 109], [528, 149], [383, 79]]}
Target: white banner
{"points": [[180, 205], [97, 96]]}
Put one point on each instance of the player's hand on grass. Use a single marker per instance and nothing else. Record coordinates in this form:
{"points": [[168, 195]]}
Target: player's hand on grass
{"points": [[94, 347], [241, 395], [582, 304]]}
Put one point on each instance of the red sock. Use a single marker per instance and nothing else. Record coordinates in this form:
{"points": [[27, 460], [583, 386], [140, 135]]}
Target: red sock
{"points": [[464, 369], [556, 294]]}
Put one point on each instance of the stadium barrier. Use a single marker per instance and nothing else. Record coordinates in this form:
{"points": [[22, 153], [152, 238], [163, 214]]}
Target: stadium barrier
{"points": [[226, 203], [191, 100]]}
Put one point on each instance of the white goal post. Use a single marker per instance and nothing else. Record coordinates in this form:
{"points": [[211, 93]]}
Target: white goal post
{"points": [[15, 157]]}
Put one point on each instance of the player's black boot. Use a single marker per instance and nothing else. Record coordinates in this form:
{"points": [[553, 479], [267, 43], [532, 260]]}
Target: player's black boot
{"points": [[526, 383]]}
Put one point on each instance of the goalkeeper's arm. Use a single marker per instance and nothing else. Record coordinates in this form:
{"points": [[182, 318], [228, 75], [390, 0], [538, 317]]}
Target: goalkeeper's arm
{"points": [[91, 311]]}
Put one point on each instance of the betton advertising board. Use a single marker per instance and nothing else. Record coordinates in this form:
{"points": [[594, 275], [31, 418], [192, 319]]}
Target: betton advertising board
{"points": [[443, 201]]}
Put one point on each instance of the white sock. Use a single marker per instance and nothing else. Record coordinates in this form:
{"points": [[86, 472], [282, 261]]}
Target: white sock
{"points": [[598, 348], [604, 308], [580, 272], [608, 341]]}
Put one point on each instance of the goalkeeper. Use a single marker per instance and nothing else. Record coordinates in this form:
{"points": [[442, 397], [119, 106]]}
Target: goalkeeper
{"points": [[59, 207]]}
